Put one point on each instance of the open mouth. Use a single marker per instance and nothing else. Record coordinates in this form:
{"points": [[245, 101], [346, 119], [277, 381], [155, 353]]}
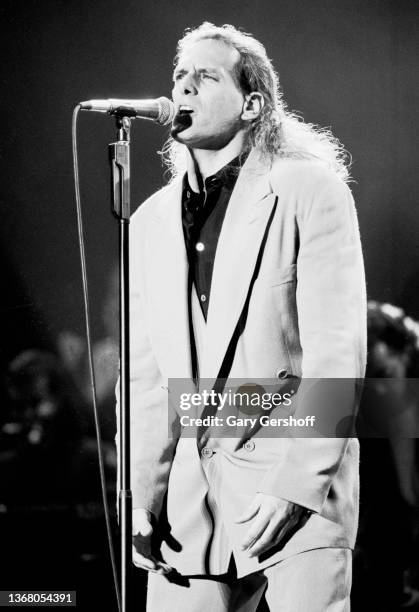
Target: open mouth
{"points": [[185, 110], [182, 119]]}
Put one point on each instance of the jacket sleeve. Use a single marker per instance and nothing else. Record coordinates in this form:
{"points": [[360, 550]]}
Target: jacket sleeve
{"points": [[152, 448], [331, 309]]}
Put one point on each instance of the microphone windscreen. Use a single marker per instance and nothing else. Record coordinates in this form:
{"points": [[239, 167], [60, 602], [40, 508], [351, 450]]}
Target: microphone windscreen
{"points": [[166, 111]]}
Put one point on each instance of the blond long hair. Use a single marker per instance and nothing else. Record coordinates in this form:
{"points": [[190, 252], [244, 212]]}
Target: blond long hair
{"points": [[276, 131]]}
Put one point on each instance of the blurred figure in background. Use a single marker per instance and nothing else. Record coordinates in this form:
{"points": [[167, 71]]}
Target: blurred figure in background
{"points": [[43, 431], [387, 426], [50, 499], [73, 351]]}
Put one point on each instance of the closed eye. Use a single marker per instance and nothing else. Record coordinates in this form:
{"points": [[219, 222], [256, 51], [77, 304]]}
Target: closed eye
{"points": [[178, 75], [204, 74]]}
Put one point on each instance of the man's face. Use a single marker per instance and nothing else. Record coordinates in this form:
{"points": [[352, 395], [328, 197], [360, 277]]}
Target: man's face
{"points": [[205, 86]]}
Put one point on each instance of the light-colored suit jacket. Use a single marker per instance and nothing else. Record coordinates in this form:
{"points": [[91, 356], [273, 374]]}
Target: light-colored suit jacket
{"points": [[288, 274]]}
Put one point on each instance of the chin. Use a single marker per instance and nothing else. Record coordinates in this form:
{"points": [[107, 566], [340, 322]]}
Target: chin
{"points": [[181, 135]]}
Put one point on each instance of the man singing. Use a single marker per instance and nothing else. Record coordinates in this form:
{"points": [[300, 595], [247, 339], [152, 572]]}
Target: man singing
{"points": [[248, 265]]}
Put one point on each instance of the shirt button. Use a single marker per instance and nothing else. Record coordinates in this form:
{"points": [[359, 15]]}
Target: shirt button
{"points": [[282, 373], [249, 445], [203, 297], [188, 194], [200, 246], [207, 453]]}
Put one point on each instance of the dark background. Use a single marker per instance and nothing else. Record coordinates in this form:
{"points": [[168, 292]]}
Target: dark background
{"points": [[350, 65]]}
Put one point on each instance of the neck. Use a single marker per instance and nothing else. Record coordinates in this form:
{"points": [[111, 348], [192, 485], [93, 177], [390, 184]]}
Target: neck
{"points": [[208, 162]]}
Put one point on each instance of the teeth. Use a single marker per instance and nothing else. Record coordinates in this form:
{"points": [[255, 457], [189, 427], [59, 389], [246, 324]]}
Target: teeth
{"points": [[183, 107]]}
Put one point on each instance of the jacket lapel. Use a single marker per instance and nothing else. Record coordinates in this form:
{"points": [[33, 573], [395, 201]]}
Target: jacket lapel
{"points": [[167, 284], [238, 247]]}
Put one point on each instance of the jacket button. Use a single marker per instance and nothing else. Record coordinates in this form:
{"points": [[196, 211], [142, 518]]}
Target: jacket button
{"points": [[282, 373], [207, 453], [249, 445]]}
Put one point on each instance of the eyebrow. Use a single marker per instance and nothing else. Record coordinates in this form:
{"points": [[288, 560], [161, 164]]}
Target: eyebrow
{"points": [[179, 72], [183, 71]]}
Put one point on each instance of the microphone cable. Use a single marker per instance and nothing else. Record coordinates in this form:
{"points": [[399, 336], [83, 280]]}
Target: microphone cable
{"points": [[89, 351]]}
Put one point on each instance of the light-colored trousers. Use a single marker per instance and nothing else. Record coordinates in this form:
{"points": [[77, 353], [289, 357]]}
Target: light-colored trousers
{"points": [[312, 581]]}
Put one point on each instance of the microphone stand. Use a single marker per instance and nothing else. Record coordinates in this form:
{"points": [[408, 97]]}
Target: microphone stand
{"points": [[119, 155]]}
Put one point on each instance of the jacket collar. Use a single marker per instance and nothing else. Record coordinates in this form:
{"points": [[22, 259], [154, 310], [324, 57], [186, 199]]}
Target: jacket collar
{"points": [[238, 248]]}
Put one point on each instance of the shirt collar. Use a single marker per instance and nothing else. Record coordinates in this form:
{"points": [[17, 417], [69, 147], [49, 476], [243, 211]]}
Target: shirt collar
{"points": [[226, 176]]}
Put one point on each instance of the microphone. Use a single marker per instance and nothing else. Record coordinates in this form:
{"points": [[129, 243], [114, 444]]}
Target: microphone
{"points": [[160, 110]]}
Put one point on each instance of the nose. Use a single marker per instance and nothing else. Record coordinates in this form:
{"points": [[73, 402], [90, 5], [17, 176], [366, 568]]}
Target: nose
{"points": [[188, 85]]}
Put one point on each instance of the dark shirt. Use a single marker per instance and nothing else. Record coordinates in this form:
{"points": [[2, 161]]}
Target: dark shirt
{"points": [[202, 217]]}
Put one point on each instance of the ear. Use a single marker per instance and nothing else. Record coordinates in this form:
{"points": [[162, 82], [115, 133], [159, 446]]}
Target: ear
{"points": [[252, 106]]}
